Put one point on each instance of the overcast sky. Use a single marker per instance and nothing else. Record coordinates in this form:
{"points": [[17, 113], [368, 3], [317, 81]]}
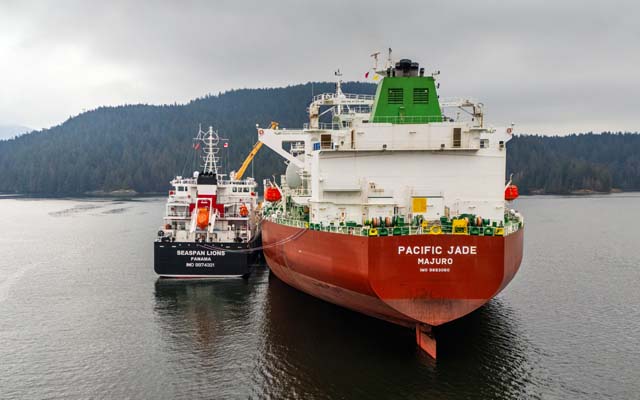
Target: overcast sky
{"points": [[550, 67]]}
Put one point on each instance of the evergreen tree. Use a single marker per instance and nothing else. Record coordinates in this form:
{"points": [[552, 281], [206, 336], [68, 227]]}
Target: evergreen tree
{"points": [[141, 147]]}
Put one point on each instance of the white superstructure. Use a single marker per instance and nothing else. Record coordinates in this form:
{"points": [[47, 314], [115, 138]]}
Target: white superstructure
{"points": [[209, 208], [361, 166]]}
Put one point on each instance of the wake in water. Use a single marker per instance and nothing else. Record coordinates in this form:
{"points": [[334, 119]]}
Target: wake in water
{"points": [[77, 209], [12, 279]]}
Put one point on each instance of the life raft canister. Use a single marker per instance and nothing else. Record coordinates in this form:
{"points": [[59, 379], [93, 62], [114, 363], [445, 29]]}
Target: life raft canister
{"points": [[511, 192], [244, 211], [203, 218]]}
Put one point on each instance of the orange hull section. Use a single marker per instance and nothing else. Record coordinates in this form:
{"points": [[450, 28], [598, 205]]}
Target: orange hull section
{"points": [[408, 280]]}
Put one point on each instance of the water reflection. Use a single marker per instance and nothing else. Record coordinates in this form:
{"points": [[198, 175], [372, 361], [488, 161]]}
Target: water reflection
{"points": [[326, 351], [201, 312], [285, 344], [565, 328]]}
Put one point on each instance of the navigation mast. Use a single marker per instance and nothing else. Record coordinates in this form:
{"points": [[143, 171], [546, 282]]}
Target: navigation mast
{"points": [[210, 140]]}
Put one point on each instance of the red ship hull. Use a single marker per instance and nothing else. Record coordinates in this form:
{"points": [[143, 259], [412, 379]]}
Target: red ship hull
{"points": [[418, 281]]}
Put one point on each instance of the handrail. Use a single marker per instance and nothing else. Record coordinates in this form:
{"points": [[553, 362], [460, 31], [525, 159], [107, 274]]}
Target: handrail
{"points": [[509, 228], [351, 96], [246, 181], [325, 126], [421, 119]]}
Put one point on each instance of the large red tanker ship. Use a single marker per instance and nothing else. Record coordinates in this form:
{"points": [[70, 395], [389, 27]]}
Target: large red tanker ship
{"points": [[396, 208]]}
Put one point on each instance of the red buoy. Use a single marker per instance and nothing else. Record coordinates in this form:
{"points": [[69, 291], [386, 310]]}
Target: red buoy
{"points": [[511, 193], [272, 194]]}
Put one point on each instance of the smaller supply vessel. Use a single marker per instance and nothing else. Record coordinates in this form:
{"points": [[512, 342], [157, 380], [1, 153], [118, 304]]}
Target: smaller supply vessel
{"points": [[211, 224]]}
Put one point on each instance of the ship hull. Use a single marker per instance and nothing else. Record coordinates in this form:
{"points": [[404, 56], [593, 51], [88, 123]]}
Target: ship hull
{"points": [[416, 281], [183, 260]]}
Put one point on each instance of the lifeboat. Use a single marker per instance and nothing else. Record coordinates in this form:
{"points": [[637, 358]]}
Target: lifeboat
{"points": [[244, 211], [511, 192], [272, 194], [203, 218]]}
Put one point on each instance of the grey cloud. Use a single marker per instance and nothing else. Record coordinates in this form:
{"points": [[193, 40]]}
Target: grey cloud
{"points": [[549, 66]]}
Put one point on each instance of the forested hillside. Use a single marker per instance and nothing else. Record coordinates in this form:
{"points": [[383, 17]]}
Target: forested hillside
{"points": [[141, 147], [574, 163]]}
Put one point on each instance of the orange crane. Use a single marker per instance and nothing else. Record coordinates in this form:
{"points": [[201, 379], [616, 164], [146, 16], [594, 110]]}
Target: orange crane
{"points": [[252, 154], [247, 161]]}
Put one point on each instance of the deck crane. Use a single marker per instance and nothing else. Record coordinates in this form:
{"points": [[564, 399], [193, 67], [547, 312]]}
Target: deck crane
{"points": [[247, 161], [243, 168]]}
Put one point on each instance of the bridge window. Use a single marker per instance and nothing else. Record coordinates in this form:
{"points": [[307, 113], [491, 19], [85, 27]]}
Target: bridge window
{"points": [[420, 96], [395, 96], [484, 143]]}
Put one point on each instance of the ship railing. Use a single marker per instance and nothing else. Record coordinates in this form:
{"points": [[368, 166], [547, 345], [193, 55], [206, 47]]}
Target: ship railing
{"points": [[233, 215], [304, 192], [186, 214], [245, 181], [347, 230], [412, 119], [466, 144], [183, 181], [448, 102], [178, 214], [349, 96], [509, 227], [178, 202], [356, 109], [325, 126]]}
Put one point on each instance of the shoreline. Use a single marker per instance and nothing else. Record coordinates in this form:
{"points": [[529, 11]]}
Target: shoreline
{"points": [[136, 195]]}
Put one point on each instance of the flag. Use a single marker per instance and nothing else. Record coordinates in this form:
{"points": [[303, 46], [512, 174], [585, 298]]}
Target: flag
{"points": [[226, 144], [196, 146], [366, 75], [376, 77]]}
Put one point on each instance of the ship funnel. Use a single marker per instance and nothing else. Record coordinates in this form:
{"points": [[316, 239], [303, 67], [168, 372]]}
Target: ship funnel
{"points": [[406, 67]]}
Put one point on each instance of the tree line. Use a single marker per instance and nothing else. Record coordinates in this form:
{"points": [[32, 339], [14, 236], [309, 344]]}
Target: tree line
{"points": [[580, 162], [141, 147]]}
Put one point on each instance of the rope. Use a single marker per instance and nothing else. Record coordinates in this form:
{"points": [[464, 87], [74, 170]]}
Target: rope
{"points": [[186, 161], [252, 249]]}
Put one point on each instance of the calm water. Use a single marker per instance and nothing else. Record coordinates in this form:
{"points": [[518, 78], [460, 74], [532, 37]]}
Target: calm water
{"points": [[82, 315]]}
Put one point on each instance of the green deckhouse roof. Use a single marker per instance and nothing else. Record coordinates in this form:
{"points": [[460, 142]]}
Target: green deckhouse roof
{"points": [[405, 96]]}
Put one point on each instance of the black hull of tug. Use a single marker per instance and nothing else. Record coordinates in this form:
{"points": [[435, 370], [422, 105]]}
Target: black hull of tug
{"points": [[182, 260]]}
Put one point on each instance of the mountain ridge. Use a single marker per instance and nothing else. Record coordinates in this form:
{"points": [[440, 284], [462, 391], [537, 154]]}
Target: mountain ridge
{"points": [[8, 131], [141, 147]]}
